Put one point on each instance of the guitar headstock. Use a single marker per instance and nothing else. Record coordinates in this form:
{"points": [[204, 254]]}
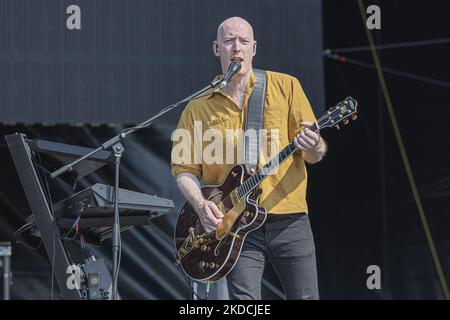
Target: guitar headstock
{"points": [[340, 113]]}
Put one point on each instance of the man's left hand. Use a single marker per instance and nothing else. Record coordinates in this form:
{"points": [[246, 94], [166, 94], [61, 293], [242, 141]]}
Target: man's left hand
{"points": [[307, 140]]}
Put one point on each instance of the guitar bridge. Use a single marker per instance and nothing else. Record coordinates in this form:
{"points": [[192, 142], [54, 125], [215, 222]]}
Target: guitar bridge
{"points": [[221, 207], [188, 244]]}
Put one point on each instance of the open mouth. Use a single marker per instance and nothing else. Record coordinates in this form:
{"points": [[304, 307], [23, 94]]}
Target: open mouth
{"points": [[237, 59]]}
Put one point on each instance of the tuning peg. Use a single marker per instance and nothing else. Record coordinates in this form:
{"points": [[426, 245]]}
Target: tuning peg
{"points": [[346, 121], [354, 117], [337, 126]]}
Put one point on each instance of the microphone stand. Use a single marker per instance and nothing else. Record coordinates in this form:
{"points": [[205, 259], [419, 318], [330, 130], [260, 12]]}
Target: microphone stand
{"points": [[116, 146]]}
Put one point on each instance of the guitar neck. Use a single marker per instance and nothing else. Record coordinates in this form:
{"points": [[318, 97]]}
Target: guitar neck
{"points": [[332, 118], [251, 183]]}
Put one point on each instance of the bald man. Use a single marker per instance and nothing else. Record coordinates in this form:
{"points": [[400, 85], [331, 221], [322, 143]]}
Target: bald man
{"points": [[285, 239]]}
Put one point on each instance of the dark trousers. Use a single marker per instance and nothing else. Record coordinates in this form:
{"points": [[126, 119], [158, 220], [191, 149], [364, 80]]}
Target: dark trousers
{"points": [[287, 242]]}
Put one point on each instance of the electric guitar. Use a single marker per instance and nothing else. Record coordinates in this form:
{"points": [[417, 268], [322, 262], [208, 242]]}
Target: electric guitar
{"points": [[209, 256]]}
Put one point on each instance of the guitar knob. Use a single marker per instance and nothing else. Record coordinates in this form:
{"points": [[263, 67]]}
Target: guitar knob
{"points": [[203, 247], [202, 264], [354, 117], [212, 265], [337, 126], [346, 121], [247, 214]]}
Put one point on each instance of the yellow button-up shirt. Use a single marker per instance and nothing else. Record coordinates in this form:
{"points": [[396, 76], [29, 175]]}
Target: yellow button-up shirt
{"points": [[285, 107]]}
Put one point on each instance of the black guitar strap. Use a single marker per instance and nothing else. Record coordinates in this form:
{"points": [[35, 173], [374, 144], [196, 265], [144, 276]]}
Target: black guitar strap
{"points": [[254, 121]]}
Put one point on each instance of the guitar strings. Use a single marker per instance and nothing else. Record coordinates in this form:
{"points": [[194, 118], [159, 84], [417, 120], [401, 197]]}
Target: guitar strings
{"points": [[247, 186]]}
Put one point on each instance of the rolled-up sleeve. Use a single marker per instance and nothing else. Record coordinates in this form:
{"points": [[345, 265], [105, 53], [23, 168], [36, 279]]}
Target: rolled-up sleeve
{"points": [[183, 146]]}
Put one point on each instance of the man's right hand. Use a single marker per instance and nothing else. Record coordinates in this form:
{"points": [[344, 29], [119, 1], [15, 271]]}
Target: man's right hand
{"points": [[210, 216], [207, 211]]}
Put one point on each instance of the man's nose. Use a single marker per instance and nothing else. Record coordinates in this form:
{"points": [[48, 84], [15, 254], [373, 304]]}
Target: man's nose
{"points": [[236, 45]]}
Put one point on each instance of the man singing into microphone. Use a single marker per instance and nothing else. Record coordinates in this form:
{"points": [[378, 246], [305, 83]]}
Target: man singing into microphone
{"points": [[285, 239]]}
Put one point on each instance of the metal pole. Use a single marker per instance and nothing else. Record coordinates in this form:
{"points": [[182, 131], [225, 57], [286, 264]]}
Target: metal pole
{"points": [[5, 251], [116, 247], [6, 277]]}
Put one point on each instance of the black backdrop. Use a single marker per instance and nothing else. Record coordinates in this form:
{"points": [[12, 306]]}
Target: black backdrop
{"points": [[130, 58]]}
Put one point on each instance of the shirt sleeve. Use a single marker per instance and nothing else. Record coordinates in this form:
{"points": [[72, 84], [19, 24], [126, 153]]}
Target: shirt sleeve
{"points": [[300, 109], [183, 146]]}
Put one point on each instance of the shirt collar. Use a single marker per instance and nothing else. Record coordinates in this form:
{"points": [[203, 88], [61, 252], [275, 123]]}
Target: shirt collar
{"points": [[248, 89]]}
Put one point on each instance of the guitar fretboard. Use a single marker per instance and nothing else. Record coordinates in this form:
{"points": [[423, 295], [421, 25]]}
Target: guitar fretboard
{"points": [[269, 167]]}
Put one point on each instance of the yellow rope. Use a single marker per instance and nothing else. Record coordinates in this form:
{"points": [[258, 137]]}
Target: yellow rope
{"points": [[404, 156]]}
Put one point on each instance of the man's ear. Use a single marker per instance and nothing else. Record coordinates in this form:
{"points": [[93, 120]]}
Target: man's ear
{"points": [[216, 48], [254, 49]]}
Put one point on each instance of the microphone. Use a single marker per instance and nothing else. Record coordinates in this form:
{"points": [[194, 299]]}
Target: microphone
{"points": [[234, 67]]}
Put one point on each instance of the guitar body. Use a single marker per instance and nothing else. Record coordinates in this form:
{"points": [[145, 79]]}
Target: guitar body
{"points": [[205, 256], [211, 256]]}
